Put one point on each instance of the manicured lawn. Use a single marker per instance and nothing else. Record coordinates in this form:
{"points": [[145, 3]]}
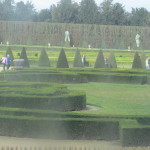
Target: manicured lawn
{"points": [[116, 99]]}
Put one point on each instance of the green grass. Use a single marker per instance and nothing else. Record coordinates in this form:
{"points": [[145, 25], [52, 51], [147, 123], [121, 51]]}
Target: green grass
{"points": [[116, 99]]}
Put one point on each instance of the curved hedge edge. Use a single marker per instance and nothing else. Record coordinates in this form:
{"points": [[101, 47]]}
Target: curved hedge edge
{"points": [[74, 100]]}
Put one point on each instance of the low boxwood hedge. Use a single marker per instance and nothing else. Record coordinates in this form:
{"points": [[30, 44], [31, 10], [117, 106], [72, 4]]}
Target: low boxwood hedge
{"points": [[76, 76], [59, 128], [134, 134], [53, 97]]}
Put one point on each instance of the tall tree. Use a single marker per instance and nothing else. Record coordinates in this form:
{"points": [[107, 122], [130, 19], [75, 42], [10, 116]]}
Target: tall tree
{"points": [[45, 15], [66, 11], [106, 12], [139, 17], [24, 12], [6, 10], [88, 12], [119, 16]]}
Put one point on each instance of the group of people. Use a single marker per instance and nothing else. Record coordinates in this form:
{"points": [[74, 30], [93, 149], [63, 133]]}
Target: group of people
{"points": [[5, 62]]}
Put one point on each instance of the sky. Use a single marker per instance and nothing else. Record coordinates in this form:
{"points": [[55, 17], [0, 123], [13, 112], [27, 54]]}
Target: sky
{"points": [[128, 4]]}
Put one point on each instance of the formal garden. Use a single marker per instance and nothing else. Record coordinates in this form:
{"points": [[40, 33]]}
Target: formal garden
{"points": [[49, 94]]}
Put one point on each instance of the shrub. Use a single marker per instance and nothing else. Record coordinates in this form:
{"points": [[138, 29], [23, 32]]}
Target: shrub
{"points": [[112, 60], [77, 59], [24, 56], [62, 60], [100, 63], [134, 134], [41, 97], [143, 60], [9, 52], [44, 60], [137, 61]]}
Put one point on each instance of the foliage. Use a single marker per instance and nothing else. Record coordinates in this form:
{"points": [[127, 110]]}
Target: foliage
{"points": [[112, 60], [23, 11], [24, 56], [6, 10], [11, 56], [88, 12], [66, 11], [137, 61], [62, 60], [143, 60], [139, 17], [100, 62], [44, 60], [77, 59]]}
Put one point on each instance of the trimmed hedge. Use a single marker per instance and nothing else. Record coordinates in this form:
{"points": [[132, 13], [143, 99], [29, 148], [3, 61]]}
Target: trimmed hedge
{"points": [[83, 129], [54, 97], [77, 76], [24, 56], [134, 134], [43, 59]]}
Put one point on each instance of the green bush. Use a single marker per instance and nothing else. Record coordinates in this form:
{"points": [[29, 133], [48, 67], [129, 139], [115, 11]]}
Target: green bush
{"points": [[40, 97], [143, 60], [44, 60], [24, 56], [137, 64], [62, 60], [77, 59], [133, 134], [9, 52], [112, 60], [100, 63], [60, 128]]}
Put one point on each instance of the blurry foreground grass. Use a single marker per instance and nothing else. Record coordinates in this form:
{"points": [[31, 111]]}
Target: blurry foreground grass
{"points": [[116, 99]]}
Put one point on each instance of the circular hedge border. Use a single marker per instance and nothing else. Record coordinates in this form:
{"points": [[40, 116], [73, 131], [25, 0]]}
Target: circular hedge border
{"points": [[38, 95]]}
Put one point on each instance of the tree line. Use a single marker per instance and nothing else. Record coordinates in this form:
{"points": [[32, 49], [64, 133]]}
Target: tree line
{"points": [[68, 11]]}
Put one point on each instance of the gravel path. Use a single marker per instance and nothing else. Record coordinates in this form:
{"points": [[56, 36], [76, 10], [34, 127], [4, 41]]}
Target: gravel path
{"points": [[12, 143]]}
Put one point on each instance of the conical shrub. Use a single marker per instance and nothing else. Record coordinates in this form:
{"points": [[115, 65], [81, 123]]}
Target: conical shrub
{"points": [[9, 52], [62, 60], [143, 60], [112, 60], [100, 62], [24, 56], [43, 59], [137, 64], [77, 59]]}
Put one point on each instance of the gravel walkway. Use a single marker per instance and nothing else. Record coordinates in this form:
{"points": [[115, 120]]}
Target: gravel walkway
{"points": [[12, 143]]}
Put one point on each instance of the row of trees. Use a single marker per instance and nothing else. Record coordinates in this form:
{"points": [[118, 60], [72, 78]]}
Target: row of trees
{"points": [[138, 61], [67, 11]]}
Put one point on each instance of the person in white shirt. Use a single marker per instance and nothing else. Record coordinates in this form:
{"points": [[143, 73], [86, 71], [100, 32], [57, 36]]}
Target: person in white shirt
{"points": [[4, 61]]}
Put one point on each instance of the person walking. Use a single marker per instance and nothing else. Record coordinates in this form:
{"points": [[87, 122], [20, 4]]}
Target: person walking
{"points": [[83, 60], [3, 60]]}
